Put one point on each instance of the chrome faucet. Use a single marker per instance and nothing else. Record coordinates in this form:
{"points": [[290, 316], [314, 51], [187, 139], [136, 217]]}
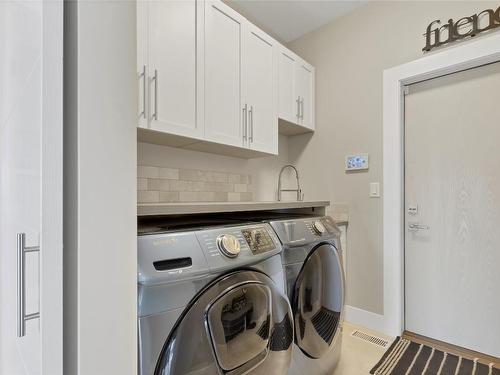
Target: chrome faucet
{"points": [[300, 196]]}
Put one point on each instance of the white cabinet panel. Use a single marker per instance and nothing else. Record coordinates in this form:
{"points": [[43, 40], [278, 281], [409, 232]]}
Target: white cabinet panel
{"points": [[142, 63], [223, 110], [259, 90], [174, 59], [305, 93], [288, 101]]}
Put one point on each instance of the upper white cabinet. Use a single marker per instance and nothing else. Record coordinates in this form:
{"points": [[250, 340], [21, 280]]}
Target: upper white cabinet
{"points": [[223, 118], [305, 94], [210, 80], [296, 93], [259, 91], [171, 59]]}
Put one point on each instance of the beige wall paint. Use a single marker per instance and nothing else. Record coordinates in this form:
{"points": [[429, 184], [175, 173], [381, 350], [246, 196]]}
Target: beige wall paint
{"points": [[350, 55]]}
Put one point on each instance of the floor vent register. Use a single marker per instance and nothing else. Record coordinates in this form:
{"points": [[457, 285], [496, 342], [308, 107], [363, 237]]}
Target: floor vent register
{"points": [[370, 338]]}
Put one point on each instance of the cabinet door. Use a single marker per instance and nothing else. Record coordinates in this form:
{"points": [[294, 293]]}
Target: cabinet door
{"points": [[288, 108], [223, 109], [142, 63], [259, 91], [175, 66], [305, 92]]}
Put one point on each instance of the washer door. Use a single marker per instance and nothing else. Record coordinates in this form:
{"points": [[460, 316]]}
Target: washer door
{"points": [[318, 301], [239, 323]]}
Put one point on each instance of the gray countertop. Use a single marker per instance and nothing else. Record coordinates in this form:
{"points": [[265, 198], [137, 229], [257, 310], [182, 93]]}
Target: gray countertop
{"points": [[150, 209]]}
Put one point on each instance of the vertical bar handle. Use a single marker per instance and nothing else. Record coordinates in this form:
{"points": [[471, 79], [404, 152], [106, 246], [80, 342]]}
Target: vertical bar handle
{"points": [[250, 116], [245, 109], [22, 317], [301, 108], [143, 76], [155, 78], [298, 107]]}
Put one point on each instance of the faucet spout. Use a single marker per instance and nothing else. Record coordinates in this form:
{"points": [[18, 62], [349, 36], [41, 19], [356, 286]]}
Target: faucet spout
{"points": [[300, 196]]}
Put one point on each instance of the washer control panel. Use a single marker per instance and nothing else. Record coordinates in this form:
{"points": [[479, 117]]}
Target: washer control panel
{"points": [[258, 240], [228, 245], [237, 246]]}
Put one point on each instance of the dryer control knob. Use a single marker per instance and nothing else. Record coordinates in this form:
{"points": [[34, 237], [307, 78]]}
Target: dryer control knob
{"points": [[228, 245], [319, 228]]}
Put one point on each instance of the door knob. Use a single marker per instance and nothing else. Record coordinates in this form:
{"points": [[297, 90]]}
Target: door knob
{"points": [[416, 227]]}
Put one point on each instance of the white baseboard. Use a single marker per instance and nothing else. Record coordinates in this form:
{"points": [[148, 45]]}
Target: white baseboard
{"points": [[364, 318]]}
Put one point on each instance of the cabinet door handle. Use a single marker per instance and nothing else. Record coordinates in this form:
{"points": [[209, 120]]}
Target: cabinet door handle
{"points": [[143, 76], [245, 122], [302, 108], [22, 317], [250, 115], [155, 78], [298, 106]]}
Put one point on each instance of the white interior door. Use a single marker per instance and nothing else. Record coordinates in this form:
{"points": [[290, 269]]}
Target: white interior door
{"points": [[259, 90], [31, 187], [175, 67], [452, 204], [223, 112]]}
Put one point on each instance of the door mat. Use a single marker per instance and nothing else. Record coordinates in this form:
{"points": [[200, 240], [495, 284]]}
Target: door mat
{"points": [[405, 357]]}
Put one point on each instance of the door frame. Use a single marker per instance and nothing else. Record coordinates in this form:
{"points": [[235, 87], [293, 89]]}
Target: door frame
{"points": [[471, 54], [51, 240]]}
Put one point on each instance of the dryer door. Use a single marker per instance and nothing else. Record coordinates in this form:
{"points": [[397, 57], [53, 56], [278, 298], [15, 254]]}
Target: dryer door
{"points": [[318, 301], [239, 322]]}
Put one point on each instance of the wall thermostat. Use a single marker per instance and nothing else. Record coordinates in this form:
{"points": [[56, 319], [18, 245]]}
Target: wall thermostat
{"points": [[356, 162]]}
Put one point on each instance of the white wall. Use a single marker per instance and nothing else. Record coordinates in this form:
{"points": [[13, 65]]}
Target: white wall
{"points": [[350, 55], [100, 188]]}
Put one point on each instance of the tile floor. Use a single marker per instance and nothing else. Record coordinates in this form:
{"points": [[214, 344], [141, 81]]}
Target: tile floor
{"points": [[358, 356]]}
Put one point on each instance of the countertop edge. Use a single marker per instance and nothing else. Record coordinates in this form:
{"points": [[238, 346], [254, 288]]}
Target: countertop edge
{"points": [[151, 209]]}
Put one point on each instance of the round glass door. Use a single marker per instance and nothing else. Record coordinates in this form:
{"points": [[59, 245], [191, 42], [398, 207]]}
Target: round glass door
{"points": [[318, 301]]}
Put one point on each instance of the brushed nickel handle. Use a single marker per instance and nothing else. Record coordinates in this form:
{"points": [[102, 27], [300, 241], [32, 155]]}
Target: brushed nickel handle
{"points": [[302, 108], [298, 106], [22, 317], [250, 115], [143, 76], [245, 110], [155, 78]]}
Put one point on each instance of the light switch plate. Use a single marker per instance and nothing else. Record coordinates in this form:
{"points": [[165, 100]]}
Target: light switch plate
{"points": [[356, 162], [374, 189]]}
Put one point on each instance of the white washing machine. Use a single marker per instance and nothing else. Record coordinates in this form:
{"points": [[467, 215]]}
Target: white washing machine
{"points": [[312, 260], [211, 300]]}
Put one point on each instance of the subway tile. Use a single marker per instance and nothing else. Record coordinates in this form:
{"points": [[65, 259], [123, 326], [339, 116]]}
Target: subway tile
{"points": [[191, 175], [180, 185], [169, 173], [243, 179], [158, 184], [233, 197], [240, 188], [169, 196], [142, 184], [234, 178], [218, 186], [246, 197], [148, 196], [148, 172]]}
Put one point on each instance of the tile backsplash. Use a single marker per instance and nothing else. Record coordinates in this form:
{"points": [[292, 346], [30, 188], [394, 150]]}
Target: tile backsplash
{"points": [[165, 185]]}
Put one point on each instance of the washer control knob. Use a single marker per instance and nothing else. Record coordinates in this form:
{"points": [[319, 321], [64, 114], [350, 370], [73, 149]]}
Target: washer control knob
{"points": [[228, 245], [319, 228]]}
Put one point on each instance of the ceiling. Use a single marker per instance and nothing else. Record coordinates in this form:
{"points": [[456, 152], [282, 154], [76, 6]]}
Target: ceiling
{"points": [[290, 19]]}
